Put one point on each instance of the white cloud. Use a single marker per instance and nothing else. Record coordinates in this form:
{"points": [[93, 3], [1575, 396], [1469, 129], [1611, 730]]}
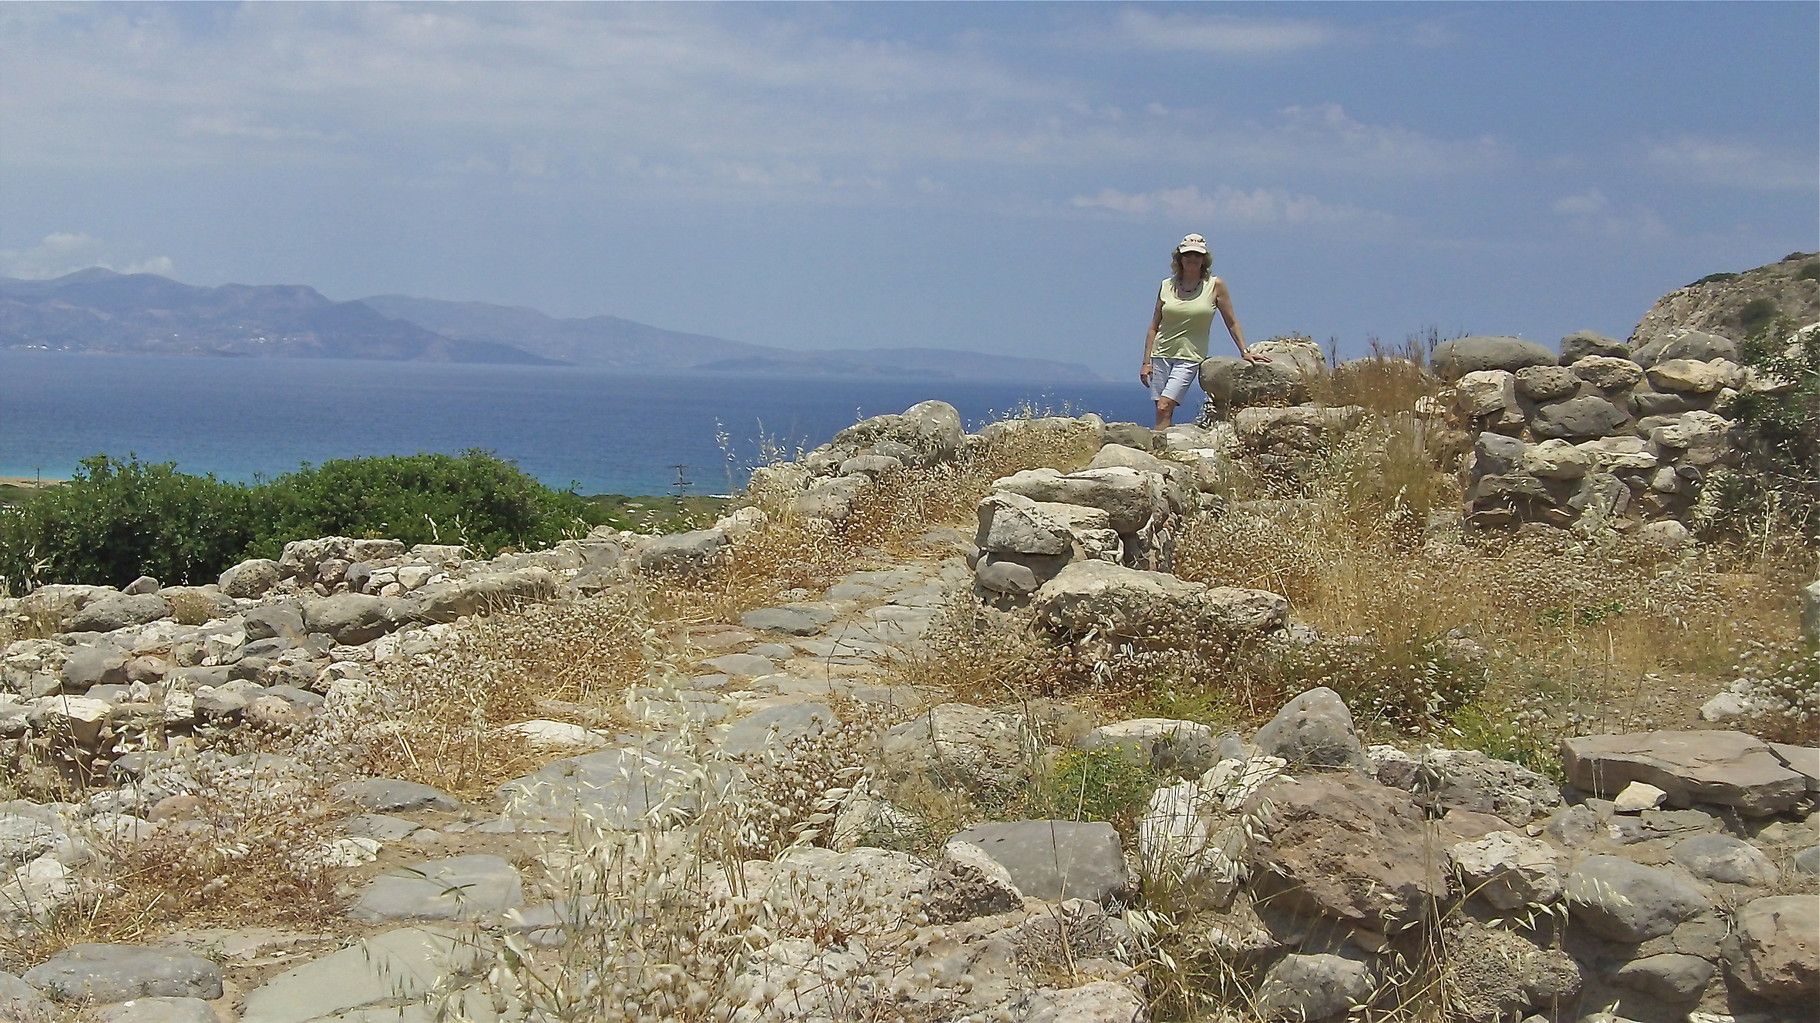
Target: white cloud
{"points": [[1590, 212], [1325, 134], [1225, 34], [1732, 163], [1229, 206], [63, 252]]}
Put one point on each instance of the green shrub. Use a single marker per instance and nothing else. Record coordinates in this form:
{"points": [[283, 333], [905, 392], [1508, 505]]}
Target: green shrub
{"points": [[1715, 278], [1779, 433], [475, 499], [118, 520], [1756, 313], [1808, 272], [1098, 785]]}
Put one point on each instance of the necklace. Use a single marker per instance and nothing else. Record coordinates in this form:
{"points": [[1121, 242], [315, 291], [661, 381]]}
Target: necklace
{"points": [[1188, 294]]}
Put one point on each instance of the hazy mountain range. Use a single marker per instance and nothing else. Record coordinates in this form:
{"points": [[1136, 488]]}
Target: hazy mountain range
{"points": [[97, 310]]}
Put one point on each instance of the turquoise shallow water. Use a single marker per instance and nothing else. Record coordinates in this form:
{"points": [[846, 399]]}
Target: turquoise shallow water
{"points": [[604, 432]]}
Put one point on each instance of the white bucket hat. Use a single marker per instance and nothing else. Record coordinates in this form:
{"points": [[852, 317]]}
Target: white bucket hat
{"points": [[1193, 243]]}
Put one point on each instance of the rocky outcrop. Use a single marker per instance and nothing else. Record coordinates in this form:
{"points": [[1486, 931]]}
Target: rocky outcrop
{"points": [[1733, 305]]}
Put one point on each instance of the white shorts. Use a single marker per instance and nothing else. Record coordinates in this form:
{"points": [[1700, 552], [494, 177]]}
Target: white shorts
{"points": [[1169, 378]]}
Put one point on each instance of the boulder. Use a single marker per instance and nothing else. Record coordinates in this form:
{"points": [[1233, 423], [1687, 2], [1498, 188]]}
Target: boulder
{"points": [[683, 553], [250, 579], [1557, 459], [1485, 392], [1113, 601], [1309, 988], [924, 434], [1547, 383], [961, 745], [615, 789], [21, 1002], [1728, 860], [1456, 357], [1182, 748], [1607, 373], [1314, 730], [117, 972], [1670, 977], [1101, 1001], [1014, 524], [1578, 418], [1773, 951], [1509, 870], [1629, 902], [1132, 499], [1343, 847], [1686, 376], [477, 594], [1055, 860], [1685, 344], [1583, 344], [351, 619], [118, 611], [1231, 383], [1728, 768], [1494, 454]]}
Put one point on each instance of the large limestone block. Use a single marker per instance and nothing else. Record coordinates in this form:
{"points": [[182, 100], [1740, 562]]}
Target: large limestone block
{"points": [[1131, 498], [485, 592], [961, 745], [1509, 870], [1456, 357], [1056, 860], [1014, 524], [1233, 383], [1313, 987], [1629, 902], [1485, 392], [250, 579], [925, 433], [683, 553], [1686, 376], [352, 618], [1111, 600], [456, 888], [1184, 748], [1728, 768], [1578, 418], [1607, 373], [1547, 383], [1774, 950], [1557, 459], [1583, 344], [1685, 344], [118, 611]]}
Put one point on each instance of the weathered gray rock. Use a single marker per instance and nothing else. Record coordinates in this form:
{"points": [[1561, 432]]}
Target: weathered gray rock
{"points": [[484, 592], [1727, 768], [1582, 344], [832, 499], [1113, 601], [1727, 859], [1468, 780], [21, 1002], [1056, 860], [961, 745], [1232, 383], [1578, 418], [1494, 454], [250, 579], [1015, 524], [1016, 575], [115, 973], [1313, 988], [390, 795], [1671, 977], [118, 611], [1629, 902], [683, 553], [96, 665], [351, 619], [1456, 357], [1685, 376], [1547, 383], [777, 728], [1810, 611], [1556, 459], [1314, 730], [1774, 952], [1182, 748], [397, 966], [1132, 499], [1685, 344], [618, 789], [1509, 870], [1102, 1001], [282, 620], [791, 620], [456, 888], [1496, 975]]}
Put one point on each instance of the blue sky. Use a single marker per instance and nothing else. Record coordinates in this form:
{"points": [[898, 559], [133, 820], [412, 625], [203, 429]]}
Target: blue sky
{"points": [[1001, 177]]}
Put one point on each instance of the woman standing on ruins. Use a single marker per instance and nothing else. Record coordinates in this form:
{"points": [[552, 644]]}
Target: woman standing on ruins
{"points": [[1181, 325]]}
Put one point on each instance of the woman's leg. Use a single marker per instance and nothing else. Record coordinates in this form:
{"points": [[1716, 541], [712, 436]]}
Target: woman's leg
{"points": [[1165, 413]]}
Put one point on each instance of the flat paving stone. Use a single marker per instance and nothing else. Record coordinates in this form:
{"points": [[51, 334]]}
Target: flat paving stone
{"points": [[746, 665], [157, 1010], [118, 972], [391, 969], [777, 727], [457, 888], [774, 651], [855, 591], [793, 620], [381, 826], [615, 788], [1723, 767], [389, 794]]}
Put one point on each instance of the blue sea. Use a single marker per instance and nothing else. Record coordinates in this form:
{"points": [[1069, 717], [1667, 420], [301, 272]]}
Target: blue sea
{"points": [[245, 419]]}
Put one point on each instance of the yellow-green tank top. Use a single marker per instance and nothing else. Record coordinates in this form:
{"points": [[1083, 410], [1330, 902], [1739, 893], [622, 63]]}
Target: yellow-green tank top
{"points": [[1186, 322]]}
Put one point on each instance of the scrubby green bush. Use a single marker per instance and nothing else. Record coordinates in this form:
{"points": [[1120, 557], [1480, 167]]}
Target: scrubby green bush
{"points": [[475, 499], [1780, 432], [118, 520]]}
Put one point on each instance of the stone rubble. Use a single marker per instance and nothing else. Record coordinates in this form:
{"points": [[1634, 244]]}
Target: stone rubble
{"points": [[1315, 863]]}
